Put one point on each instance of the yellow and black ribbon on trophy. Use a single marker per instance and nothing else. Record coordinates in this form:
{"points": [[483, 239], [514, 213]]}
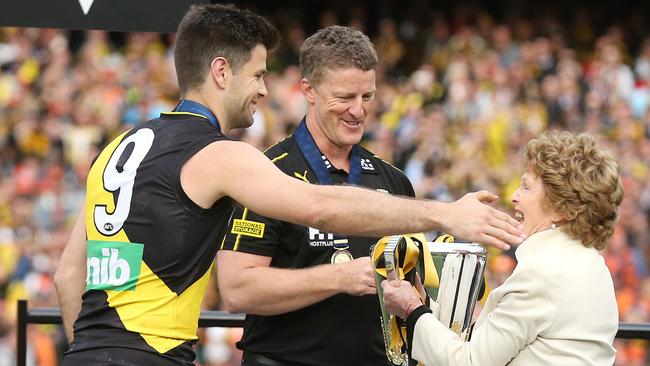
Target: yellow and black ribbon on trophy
{"points": [[411, 256]]}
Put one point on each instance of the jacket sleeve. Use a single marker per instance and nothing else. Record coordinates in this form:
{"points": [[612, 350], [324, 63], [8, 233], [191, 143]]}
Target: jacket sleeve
{"points": [[527, 306]]}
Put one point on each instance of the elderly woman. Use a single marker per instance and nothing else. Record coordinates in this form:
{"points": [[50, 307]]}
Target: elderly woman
{"points": [[558, 306]]}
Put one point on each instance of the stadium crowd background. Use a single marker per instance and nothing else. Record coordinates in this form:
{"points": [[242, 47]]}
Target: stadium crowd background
{"points": [[460, 92]]}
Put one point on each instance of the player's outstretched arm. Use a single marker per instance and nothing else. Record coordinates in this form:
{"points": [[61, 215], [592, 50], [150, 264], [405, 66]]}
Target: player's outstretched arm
{"points": [[235, 169]]}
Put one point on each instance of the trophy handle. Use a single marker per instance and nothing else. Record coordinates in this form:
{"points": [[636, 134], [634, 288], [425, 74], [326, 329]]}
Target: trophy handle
{"points": [[389, 257], [395, 354]]}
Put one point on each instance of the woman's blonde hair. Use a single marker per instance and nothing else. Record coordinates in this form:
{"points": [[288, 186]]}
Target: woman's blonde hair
{"points": [[581, 182]]}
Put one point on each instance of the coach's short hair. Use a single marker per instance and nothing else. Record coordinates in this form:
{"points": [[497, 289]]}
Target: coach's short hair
{"points": [[212, 30], [581, 181], [336, 47]]}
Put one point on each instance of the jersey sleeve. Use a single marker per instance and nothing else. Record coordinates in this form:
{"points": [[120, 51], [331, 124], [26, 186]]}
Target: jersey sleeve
{"points": [[408, 187], [251, 233], [402, 185]]}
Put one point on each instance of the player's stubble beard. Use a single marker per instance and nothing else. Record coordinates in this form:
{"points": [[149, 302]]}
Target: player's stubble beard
{"points": [[237, 110]]}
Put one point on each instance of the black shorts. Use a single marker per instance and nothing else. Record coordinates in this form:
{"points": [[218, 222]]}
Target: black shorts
{"points": [[118, 356]]}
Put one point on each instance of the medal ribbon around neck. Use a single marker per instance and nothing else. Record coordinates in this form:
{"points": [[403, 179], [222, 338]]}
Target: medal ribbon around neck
{"points": [[186, 105], [416, 251], [314, 157]]}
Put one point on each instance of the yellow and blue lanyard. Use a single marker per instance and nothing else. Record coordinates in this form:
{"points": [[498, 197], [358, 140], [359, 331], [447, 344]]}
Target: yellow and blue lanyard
{"points": [[315, 160], [188, 106]]}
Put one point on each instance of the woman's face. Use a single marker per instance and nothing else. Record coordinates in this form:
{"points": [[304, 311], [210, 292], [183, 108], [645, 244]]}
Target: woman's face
{"points": [[529, 209]]}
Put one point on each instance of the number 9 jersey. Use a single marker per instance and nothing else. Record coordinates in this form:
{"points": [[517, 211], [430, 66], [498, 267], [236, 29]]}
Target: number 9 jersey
{"points": [[149, 247]]}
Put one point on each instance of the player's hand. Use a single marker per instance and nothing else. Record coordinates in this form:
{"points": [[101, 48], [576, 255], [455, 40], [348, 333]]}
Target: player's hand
{"points": [[472, 218], [356, 277]]}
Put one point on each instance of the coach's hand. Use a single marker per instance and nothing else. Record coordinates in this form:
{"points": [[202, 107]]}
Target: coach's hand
{"points": [[356, 277], [471, 218]]}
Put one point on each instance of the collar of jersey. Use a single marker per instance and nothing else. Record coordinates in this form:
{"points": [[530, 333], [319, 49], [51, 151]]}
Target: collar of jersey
{"points": [[192, 108], [333, 169]]}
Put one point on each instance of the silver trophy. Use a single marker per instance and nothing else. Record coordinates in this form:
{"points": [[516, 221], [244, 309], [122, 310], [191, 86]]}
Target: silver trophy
{"points": [[460, 268]]}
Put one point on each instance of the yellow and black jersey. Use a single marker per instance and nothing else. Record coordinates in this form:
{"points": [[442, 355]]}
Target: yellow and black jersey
{"points": [[149, 248], [340, 330]]}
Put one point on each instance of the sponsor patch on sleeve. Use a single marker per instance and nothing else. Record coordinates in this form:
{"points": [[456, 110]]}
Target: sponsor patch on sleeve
{"points": [[248, 228]]}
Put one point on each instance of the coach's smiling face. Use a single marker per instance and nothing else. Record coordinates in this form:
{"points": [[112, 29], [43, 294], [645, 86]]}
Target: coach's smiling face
{"points": [[341, 103]]}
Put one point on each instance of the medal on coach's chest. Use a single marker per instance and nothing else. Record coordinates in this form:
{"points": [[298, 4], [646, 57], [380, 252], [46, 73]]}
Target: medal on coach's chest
{"points": [[316, 161], [341, 253]]}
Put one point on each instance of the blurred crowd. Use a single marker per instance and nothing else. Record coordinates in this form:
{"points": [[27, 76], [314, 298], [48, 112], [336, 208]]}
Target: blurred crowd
{"points": [[458, 97]]}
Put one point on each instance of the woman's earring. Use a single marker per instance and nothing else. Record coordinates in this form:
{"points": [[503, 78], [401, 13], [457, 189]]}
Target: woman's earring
{"points": [[553, 226]]}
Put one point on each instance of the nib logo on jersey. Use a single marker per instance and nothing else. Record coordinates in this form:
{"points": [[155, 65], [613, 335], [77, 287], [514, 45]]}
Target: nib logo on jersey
{"points": [[112, 265]]}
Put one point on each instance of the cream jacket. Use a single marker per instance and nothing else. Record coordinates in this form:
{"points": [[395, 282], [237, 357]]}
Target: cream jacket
{"points": [[557, 308]]}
